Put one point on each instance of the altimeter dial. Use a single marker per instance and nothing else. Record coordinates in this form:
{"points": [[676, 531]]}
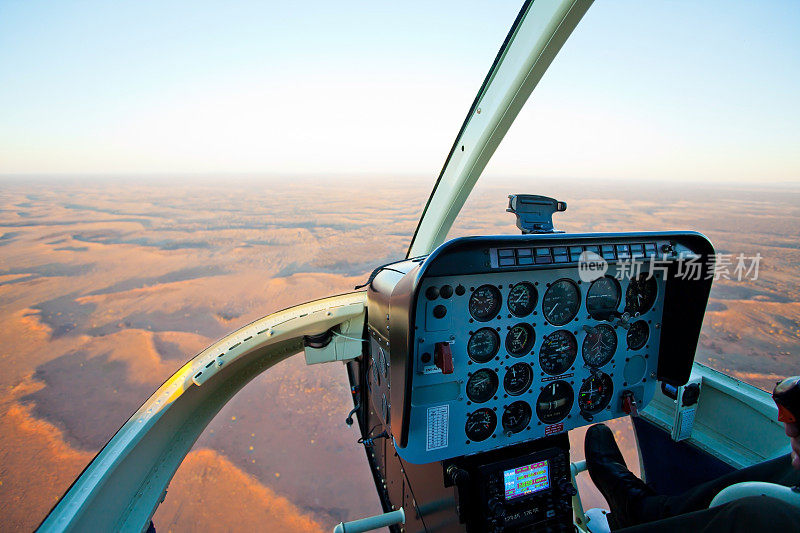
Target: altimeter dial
{"points": [[558, 352]]}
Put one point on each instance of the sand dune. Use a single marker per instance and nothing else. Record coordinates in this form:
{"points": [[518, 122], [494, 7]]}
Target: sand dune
{"points": [[209, 490], [107, 288], [37, 466]]}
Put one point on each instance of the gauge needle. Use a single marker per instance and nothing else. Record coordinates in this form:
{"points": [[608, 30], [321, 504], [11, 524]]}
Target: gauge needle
{"points": [[553, 309]]}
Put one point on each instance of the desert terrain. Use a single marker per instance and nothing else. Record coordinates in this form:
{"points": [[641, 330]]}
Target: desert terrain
{"points": [[107, 286]]}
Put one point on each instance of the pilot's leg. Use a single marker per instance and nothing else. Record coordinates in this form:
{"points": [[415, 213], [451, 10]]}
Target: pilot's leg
{"points": [[747, 515], [633, 502]]}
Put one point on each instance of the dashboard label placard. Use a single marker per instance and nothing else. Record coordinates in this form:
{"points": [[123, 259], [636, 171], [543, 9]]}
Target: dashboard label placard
{"points": [[552, 430], [438, 427]]}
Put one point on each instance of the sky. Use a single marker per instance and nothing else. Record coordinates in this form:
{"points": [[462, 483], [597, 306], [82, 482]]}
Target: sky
{"points": [[659, 90]]}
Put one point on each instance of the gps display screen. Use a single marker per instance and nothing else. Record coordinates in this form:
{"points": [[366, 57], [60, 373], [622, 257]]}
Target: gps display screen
{"points": [[527, 479]]}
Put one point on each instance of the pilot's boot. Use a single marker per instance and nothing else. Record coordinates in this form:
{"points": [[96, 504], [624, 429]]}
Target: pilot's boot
{"points": [[622, 490]]}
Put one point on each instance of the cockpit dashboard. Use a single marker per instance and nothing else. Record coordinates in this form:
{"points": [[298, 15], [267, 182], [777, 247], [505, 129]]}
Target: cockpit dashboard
{"points": [[494, 341]]}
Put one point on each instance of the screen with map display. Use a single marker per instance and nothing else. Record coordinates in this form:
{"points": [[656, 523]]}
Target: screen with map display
{"points": [[526, 479]]}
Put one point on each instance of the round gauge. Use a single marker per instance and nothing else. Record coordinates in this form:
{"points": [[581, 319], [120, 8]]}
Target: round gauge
{"points": [[518, 378], [485, 303], [482, 385], [522, 299], [554, 402], [599, 345], [520, 339], [516, 417], [561, 302], [641, 294], [595, 393], [603, 297], [480, 424], [558, 352], [638, 334], [483, 345]]}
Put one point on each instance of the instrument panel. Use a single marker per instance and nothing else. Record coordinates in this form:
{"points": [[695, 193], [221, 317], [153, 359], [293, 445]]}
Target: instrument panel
{"points": [[513, 342], [534, 353]]}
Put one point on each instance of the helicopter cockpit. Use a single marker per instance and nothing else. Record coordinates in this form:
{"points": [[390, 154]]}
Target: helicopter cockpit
{"points": [[470, 360], [485, 353]]}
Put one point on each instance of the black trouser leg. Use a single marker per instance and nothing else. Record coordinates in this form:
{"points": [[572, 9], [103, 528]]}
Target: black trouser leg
{"points": [[778, 471], [747, 515]]}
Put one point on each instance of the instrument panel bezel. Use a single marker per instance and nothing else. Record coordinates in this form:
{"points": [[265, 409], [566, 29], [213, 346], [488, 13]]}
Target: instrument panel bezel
{"points": [[394, 292]]}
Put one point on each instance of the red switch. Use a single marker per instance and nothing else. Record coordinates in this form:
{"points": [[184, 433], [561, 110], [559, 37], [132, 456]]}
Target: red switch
{"points": [[443, 357], [629, 403]]}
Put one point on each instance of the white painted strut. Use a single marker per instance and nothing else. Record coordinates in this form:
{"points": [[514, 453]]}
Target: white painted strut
{"points": [[372, 523]]}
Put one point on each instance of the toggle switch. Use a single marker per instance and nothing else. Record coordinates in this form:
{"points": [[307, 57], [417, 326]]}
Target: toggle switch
{"points": [[443, 357]]}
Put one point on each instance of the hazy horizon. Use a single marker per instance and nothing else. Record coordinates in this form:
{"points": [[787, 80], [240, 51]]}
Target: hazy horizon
{"points": [[364, 177]]}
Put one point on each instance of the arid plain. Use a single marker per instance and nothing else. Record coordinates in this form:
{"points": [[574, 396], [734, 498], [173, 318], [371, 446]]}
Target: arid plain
{"points": [[108, 286]]}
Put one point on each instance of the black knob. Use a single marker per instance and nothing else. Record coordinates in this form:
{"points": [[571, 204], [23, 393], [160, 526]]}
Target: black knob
{"points": [[497, 508], [446, 291], [566, 487], [457, 475], [439, 311], [691, 393]]}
